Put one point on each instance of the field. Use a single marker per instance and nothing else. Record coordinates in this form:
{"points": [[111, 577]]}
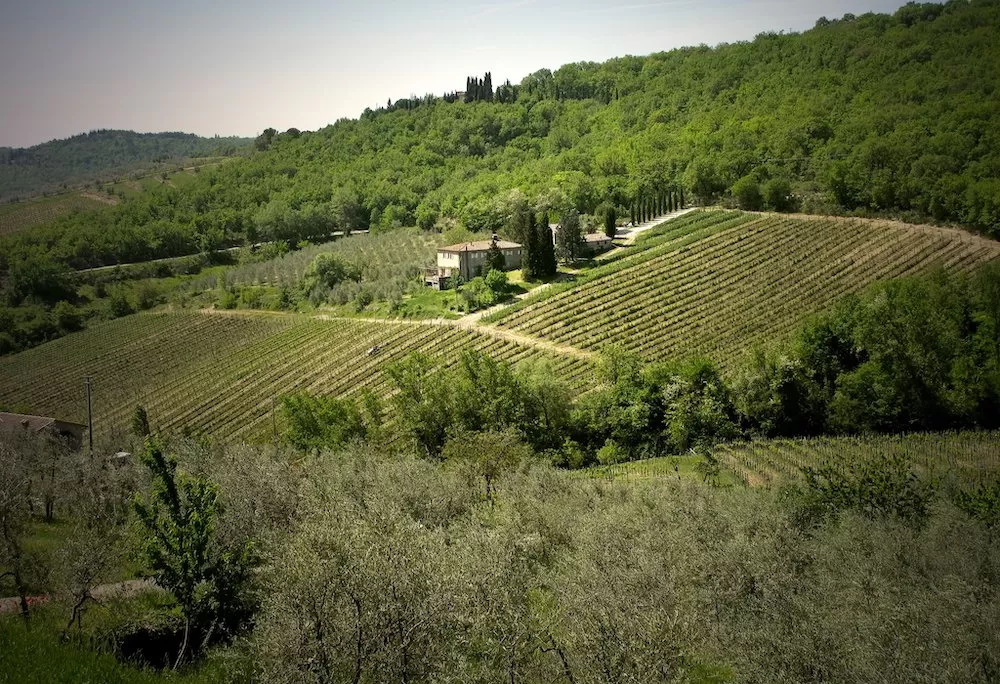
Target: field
{"points": [[35, 212], [717, 283], [219, 373]]}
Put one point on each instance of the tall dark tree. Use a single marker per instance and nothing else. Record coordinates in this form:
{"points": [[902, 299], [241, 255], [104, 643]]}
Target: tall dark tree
{"points": [[546, 247], [495, 260], [529, 251], [610, 221], [488, 87]]}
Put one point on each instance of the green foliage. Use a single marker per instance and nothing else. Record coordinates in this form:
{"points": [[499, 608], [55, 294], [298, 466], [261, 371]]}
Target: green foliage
{"points": [[569, 236], [981, 502], [140, 422], [495, 260], [328, 270], [747, 193], [873, 488], [38, 277], [480, 394], [100, 154], [316, 422], [179, 517]]}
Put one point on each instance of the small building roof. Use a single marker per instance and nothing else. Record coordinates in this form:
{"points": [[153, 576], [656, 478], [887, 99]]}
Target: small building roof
{"points": [[479, 246], [10, 421], [596, 237]]}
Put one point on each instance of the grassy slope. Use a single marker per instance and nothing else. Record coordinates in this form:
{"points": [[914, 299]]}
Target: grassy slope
{"points": [[716, 283], [35, 212], [218, 373]]}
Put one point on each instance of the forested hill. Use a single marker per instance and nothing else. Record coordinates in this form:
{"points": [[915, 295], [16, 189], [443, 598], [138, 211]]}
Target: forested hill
{"points": [[99, 155], [877, 113]]}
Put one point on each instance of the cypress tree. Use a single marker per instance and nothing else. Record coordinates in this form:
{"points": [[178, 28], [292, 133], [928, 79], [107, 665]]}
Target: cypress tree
{"points": [[529, 250], [610, 219], [488, 87], [547, 248], [682, 199]]}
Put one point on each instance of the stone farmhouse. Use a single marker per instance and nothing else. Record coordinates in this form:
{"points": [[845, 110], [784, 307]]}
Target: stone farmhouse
{"points": [[70, 433], [468, 260]]}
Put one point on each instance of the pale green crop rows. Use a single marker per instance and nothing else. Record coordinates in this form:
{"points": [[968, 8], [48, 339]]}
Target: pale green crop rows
{"points": [[721, 282], [970, 457], [220, 374]]}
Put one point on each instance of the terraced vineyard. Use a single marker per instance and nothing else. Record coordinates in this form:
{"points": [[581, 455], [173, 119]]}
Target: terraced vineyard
{"points": [[718, 282], [970, 457], [218, 374]]}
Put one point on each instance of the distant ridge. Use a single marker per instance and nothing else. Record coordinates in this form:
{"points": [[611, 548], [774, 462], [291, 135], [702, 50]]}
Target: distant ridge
{"points": [[100, 155]]}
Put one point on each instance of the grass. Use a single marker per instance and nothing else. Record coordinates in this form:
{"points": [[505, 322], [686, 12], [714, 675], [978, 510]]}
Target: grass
{"points": [[37, 652], [717, 283]]}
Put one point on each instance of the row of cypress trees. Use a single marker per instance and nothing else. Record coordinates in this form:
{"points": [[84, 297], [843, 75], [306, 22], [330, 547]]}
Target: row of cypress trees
{"points": [[649, 205], [538, 252]]}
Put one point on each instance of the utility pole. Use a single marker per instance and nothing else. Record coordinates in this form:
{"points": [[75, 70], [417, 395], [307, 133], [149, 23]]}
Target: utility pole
{"points": [[274, 424], [90, 418]]}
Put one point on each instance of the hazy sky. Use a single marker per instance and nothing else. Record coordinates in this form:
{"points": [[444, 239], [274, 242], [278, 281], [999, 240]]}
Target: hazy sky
{"points": [[235, 68]]}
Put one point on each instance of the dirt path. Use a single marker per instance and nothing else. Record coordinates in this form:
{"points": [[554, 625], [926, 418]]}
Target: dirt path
{"points": [[98, 197], [103, 592], [472, 323]]}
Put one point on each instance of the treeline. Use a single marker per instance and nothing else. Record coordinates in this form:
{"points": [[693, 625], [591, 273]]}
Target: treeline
{"points": [[908, 355], [862, 114], [99, 155]]}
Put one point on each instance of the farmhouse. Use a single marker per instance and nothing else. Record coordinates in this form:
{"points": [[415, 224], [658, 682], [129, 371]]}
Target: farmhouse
{"points": [[595, 243], [469, 259], [72, 433]]}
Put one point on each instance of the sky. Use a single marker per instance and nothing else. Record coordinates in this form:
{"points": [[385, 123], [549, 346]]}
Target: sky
{"points": [[237, 67]]}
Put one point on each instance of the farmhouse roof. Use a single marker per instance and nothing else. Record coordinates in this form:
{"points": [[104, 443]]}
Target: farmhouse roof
{"points": [[596, 237], [479, 246], [9, 421]]}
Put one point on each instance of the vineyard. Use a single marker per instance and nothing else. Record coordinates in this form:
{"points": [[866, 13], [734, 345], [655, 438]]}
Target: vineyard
{"points": [[396, 256], [970, 457], [220, 374], [35, 212], [717, 283]]}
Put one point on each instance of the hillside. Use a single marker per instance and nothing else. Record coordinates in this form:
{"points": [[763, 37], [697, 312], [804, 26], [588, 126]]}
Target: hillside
{"points": [[218, 374], [717, 283], [859, 114], [99, 156]]}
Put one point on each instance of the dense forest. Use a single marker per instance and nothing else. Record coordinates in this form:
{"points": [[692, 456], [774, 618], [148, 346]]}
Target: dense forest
{"points": [[99, 155], [874, 114]]}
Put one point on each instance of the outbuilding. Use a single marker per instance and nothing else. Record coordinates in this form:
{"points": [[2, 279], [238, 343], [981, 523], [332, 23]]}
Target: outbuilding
{"points": [[71, 433]]}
